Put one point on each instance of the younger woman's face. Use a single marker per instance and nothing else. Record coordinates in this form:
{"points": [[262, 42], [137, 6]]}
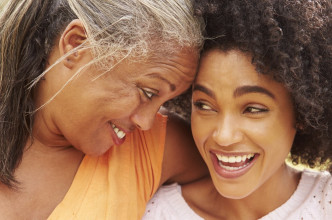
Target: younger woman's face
{"points": [[242, 122]]}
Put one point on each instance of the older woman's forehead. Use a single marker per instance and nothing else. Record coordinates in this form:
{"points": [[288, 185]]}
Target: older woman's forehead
{"points": [[183, 63]]}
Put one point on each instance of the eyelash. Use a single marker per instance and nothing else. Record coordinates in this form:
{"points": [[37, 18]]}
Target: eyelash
{"points": [[250, 109], [200, 106], [255, 110], [148, 94]]}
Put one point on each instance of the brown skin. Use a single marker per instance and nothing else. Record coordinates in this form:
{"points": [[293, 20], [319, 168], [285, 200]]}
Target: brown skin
{"points": [[49, 165], [94, 99], [229, 120], [182, 162]]}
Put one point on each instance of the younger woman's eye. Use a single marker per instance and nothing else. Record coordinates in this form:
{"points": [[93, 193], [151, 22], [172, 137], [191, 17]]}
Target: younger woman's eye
{"points": [[202, 106], [255, 110]]}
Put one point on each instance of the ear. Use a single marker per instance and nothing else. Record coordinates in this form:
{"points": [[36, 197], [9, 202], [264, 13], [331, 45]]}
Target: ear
{"points": [[72, 37]]}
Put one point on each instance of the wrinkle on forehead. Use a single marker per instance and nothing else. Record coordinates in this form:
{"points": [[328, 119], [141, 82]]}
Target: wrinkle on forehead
{"points": [[155, 75], [185, 62]]}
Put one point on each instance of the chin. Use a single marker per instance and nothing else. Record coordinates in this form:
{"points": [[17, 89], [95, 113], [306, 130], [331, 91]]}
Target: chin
{"points": [[233, 193], [97, 151], [236, 196]]}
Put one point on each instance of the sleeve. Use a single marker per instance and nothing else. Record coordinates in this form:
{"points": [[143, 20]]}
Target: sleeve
{"points": [[149, 156], [135, 170], [118, 184]]}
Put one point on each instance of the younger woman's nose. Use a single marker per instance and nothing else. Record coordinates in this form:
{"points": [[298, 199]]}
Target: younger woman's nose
{"points": [[227, 132]]}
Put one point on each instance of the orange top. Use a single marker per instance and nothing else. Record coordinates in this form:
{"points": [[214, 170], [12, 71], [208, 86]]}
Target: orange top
{"points": [[118, 184]]}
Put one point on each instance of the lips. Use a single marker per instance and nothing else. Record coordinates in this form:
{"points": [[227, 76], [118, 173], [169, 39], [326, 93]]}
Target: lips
{"points": [[233, 165], [118, 135], [118, 132]]}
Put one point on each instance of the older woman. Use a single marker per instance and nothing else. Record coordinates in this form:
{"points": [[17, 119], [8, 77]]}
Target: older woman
{"points": [[79, 77]]}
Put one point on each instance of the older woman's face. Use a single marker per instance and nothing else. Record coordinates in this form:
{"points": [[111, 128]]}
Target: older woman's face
{"points": [[94, 112], [242, 122]]}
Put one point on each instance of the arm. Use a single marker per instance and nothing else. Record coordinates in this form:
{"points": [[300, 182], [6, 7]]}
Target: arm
{"points": [[182, 162]]}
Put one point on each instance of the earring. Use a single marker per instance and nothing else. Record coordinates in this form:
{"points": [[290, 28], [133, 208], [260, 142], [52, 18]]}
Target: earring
{"points": [[299, 126]]}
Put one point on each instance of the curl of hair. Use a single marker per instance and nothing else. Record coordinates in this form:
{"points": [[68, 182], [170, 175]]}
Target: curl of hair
{"points": [[115, 29], [290, 40]]}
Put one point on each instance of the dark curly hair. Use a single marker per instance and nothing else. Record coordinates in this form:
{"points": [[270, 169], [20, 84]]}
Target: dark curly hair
{"points": [[290, 40]]}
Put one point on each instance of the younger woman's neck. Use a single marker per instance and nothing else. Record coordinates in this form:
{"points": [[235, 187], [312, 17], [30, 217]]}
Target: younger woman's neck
{"points": [[268, 197]]}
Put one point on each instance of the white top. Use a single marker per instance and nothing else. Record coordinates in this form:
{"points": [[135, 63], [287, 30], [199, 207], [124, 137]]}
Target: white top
{"points": [[311, 200]]}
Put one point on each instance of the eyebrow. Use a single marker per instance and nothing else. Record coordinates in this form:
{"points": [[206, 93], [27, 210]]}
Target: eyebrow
{"points": [[171, 85], [238, 91], [252, 89], [198, 87]]}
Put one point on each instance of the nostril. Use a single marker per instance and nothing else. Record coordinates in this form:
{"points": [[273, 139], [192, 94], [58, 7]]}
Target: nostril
{"points": [[143, 119], [133, 127], [139, 127]]}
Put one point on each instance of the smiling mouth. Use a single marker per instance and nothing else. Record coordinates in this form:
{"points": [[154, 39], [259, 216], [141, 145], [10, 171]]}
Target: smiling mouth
{"points": [[119, 133], [234, 163]]}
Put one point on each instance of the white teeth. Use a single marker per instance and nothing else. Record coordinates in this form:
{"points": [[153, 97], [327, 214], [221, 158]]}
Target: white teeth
{"points": [[118, 132], [234, 159], [233, 168], [121, 134], [222, 158], [231, 159]]}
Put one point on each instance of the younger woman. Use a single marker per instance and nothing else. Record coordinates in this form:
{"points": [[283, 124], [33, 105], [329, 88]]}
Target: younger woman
{"points": [[81, 82], [263, 90]]}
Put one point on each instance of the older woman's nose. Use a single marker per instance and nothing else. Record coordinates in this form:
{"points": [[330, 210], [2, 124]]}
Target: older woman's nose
{"points": [[143, 117]]}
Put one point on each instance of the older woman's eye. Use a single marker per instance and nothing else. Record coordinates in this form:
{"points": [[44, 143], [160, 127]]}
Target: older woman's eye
{"points": [[148, 94]]}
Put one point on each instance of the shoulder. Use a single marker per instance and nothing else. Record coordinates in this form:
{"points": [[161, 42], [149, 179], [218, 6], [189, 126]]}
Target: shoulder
{"points": [[311, 199], [321, 185], [316, 190], [319, 181], [320, 199], [165, 197], [169, 204]]}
